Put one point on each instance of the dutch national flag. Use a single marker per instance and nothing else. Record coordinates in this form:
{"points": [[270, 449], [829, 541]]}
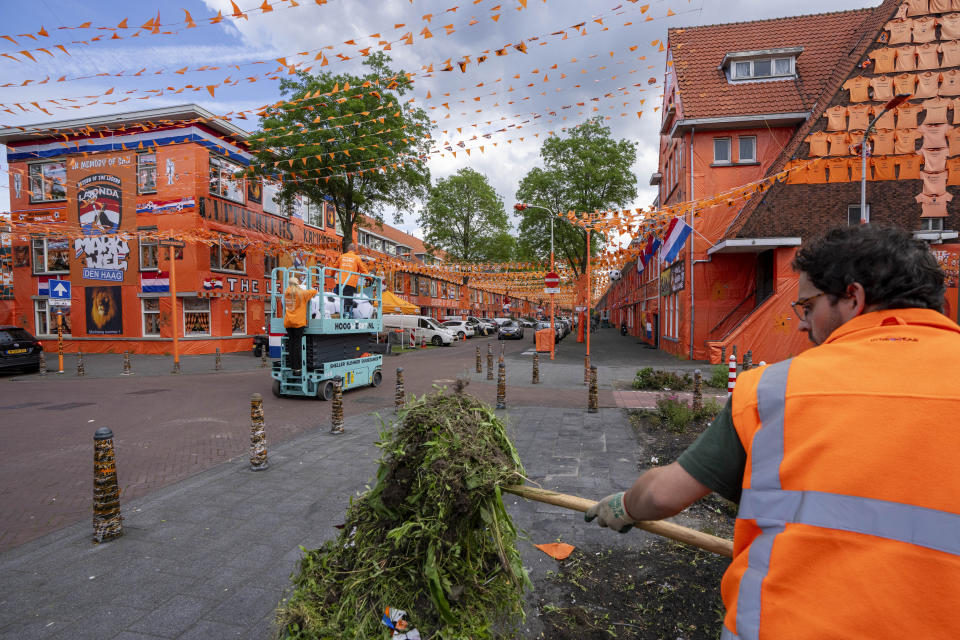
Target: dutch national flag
{"points": [[155, 282], [674, 239], [653, 243]]}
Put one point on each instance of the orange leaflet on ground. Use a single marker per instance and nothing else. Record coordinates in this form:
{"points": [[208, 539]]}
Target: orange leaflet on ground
{"points": [[556, 550]]}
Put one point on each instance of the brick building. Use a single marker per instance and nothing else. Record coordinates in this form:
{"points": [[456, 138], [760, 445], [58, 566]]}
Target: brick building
{"points": [[749, 100]]}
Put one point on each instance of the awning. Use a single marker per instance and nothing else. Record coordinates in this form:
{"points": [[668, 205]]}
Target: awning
{"points": [[751, 245], [395, 304]]}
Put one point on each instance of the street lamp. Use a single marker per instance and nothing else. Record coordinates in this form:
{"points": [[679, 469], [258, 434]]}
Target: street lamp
{"points": [[899, 99]]}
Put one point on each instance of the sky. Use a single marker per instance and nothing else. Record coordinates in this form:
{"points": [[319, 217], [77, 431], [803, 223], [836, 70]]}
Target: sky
{"points": [[616, 49]]}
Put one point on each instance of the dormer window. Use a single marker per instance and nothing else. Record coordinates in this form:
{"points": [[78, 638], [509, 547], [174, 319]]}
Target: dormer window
{"points": [[765, 64]]}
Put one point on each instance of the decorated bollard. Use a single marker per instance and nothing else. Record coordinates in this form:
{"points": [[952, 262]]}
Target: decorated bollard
{"points": [[263, 358], [107, 521], [723, 354], [479, 363], [126, 364], [337, 409], [489, 362], [762, 364], [536, 367], [733, 352], [176, 367], [43, 364], [748, 360], [732, 376], [586, 369], [80, 370], [593, 395], [217, 362], [697, 390], [501, 385], [400, 397], [258, 436]]}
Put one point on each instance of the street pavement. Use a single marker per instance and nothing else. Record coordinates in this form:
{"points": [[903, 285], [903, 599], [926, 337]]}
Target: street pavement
{"points": [[208, 544]]}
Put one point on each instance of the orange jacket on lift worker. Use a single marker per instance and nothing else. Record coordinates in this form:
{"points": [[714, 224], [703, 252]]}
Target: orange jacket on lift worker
{"points": [[295, 301], [842, 459]]}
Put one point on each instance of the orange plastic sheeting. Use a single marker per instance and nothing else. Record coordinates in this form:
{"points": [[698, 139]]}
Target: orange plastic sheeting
{"points": [[544, 340], [725, 290], [556, 550]]}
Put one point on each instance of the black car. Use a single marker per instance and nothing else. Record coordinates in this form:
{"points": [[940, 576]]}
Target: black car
{"points": [[19, 349], [510, 329]]}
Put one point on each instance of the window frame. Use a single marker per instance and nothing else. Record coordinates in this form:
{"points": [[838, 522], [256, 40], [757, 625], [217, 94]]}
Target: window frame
{"points": [[856, 207], [143, 168], [735, 75], [46, 256], [935, 224], [144, 313], [398, 282], [270, 262], [234, 313], [42, 177], [740, 158], [218, 249], [146, 244], [729, 142], [185, 311], [221, 163], [49, 319]]}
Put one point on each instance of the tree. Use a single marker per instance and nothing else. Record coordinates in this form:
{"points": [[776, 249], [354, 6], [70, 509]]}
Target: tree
{"points": [[347, 140], [466, 218], [585, 172]]}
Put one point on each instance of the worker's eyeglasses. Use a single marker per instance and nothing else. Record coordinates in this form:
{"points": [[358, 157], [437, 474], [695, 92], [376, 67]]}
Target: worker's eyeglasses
{"points": [[804, 305]]}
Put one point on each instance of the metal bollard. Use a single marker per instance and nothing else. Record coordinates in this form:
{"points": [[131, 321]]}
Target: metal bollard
{"points": [[586, 369], [176, 367], [217, 362], [501, 385], [43, 364], [536, 367], [489, 362], [258, 437], [479, 363], [107, 521], [126, 364], [503, 345], [697, 390], [733, 352], [748, 360], [400, 397], [723, 354], [337, 409], [732, 376], [80, 370], [263, 358], [593, 395]]}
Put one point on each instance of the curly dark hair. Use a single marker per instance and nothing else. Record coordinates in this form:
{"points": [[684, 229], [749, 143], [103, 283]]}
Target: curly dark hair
{"points": [[896, 270]]}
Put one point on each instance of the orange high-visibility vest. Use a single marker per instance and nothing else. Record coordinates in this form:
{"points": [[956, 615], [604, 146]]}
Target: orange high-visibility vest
{"points": [[351, 262], [849, 522]]}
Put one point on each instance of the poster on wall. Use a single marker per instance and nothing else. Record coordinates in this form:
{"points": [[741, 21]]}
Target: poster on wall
{"points": [[104, 312], [254, 190], [330, 213]]}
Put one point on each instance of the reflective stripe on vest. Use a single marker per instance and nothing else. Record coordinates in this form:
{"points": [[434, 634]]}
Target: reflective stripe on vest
{"points": [[773, 508]]}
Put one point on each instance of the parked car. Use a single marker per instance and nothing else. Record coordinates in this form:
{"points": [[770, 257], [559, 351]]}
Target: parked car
{"points": [[19, 350], [486, 326], [422, 327], [528, 323], [545, 324], [461, 328], [502, 321], [510, 329]]}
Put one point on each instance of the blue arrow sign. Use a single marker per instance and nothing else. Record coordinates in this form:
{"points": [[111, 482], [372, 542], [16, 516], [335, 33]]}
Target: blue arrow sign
{"points": [[59, 289]]}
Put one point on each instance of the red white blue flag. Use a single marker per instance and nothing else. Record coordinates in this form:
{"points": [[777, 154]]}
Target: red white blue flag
{"points": [[674, 239]]}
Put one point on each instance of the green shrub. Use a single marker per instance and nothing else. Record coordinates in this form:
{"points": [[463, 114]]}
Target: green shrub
{"points": [[718, 376], [677, 416], [650, 379]]}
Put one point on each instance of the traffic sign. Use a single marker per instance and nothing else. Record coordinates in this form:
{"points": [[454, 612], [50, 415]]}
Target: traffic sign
{"points": [[59, 293], [551, 280]]}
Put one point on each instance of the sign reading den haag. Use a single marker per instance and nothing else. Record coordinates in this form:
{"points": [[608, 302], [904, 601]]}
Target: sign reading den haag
{"points": [[103, 187]]}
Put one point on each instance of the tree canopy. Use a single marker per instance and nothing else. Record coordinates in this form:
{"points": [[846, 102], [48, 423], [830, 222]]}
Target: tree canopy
{"points": [[466, 218], [348, 140], [584, 172]]}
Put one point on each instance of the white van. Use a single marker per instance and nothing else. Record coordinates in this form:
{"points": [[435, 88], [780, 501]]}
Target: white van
{"points": [[422, 327]]}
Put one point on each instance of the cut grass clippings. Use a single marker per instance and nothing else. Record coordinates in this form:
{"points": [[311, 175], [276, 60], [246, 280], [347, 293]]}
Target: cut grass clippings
{"points": [[432, 536]]}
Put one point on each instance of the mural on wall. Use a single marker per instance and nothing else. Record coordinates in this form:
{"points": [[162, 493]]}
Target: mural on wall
{"points": [[255, 191], [104, 312]]}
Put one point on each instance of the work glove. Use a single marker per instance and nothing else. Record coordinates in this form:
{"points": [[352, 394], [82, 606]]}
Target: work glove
{"points": [[611, 513]]}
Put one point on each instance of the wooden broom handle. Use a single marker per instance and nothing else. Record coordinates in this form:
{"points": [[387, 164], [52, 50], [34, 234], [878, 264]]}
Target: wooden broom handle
{"points": [[720, 546]]}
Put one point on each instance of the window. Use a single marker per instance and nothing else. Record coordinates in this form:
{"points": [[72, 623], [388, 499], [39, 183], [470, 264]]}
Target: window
{"points": [[398, 282], [48, 181], [146, 173], [222, 180], [149, 255], [151, 316], [931, 224], [196, 316], [747, 148], [721, 151], [238, 317], [51, 255], [314, 214], [433, 288], [45, 319], [270, 262], [228, 256], [763, 68], [853, 214]]}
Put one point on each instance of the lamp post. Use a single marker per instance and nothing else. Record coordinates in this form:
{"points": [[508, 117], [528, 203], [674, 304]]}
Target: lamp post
{"points": [[899, 99]]}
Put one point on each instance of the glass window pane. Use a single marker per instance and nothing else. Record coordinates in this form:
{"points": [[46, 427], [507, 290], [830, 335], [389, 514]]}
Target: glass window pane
{"points": [[783, 66], [741, 70], [196, 304], [58, 255], [761, 68], [151, 304], [721, 150], [148, 256], [748, 149], [55, 179]]}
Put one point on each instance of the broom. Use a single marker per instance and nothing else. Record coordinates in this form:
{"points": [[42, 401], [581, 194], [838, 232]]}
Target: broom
{"points": [[720, 546]]}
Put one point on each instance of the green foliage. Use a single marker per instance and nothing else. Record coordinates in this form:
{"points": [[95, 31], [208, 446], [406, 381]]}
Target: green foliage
{"points": [[432, 537], [719, 375], [368, 121], [678, 416], [586, 171], [656, 380], [465, 217]]}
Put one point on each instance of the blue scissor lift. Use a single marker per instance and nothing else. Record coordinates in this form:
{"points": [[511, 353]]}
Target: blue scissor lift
{"points": [[333, 344]]}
